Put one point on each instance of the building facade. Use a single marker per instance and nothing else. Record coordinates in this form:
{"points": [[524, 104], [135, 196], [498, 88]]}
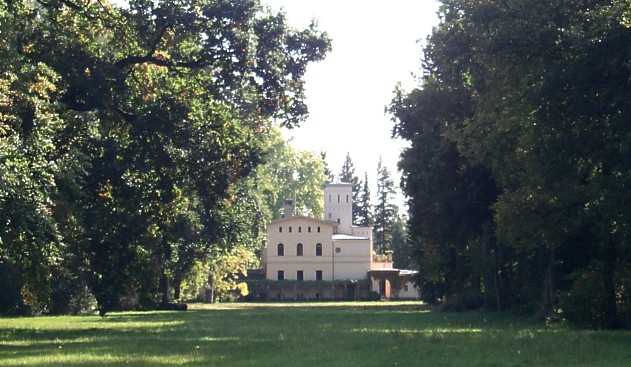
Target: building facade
{"points": [[304, 249]]}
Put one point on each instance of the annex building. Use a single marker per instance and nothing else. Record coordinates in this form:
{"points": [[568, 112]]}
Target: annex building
{"points": [[326, 258]]}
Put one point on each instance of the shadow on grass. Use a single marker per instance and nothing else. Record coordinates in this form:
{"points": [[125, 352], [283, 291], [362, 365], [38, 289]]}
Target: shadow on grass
{"points": [[371, 334]]}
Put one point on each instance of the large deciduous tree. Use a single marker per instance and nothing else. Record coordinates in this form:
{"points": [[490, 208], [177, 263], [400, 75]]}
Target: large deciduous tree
{"points": [[133, 126], [534, 96]]}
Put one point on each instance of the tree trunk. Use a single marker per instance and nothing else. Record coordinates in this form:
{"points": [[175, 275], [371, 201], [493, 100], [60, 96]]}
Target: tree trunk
{"points": [[164, 288], [497, 277], [177, 287], [611, 308], [548, 284]]}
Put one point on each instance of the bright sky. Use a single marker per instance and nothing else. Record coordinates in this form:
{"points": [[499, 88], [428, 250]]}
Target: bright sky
{"points": [[375, 45]]}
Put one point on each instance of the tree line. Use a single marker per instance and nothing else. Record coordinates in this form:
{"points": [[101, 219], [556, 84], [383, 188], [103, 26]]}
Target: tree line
{"points": [[126, 137], [388, 221], [519, 165]]}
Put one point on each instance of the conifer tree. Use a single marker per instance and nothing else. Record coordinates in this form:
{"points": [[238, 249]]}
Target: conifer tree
{"points": [[348, 175], [385, 211], [364, 212], [327, 172], [402, 249]]}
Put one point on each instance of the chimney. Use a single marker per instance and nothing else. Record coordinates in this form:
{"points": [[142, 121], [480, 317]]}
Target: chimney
{"points": [[288, 208]]}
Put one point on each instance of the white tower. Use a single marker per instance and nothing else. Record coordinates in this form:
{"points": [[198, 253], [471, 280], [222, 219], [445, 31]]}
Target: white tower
{"points": [[338, 205]]}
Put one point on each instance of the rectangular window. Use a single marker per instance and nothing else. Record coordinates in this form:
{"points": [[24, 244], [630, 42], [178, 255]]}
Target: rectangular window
{"points": [[318, 274], [280, 229], [281, 275], [290, 229], [299, 229], [338, 199], [309, 229], [338, 250], [299, 275], [347, 198], [318, 229]]}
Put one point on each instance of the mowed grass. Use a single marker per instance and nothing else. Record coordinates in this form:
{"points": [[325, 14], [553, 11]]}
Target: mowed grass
{"points": [[308, 334]]}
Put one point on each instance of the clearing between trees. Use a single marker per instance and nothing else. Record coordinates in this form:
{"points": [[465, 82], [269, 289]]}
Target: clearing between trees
{"points": [[305, 334]]}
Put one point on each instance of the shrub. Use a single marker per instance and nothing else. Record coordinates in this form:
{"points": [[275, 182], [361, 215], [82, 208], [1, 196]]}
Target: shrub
{"points": [[584, 303], [10, 284], [465, 301]]}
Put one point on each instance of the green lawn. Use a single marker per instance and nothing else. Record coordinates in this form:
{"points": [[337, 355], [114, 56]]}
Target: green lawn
{"points": [[312, 334]]}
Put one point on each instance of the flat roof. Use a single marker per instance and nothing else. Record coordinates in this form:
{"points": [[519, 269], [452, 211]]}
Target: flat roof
{"points": [[383, 270], [340, 236], [339, 184], [408, 272]]}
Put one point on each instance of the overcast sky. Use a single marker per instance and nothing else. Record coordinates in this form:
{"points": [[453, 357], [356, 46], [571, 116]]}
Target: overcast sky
{"points": [[375, 45]]}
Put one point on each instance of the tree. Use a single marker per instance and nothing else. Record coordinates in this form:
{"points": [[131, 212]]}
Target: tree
{"points": [[364, 210], [402, 249], [385, 210], [289, 173], [227, 273], [347, 174], [144, 120], [520, 119], [330, 177]]}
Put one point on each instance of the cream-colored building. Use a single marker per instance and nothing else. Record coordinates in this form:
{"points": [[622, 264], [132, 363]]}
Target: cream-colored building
{"points": [[301, 248]]}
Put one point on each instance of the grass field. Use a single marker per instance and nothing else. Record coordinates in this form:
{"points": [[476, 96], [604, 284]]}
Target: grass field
{"points": [[320, 334]]}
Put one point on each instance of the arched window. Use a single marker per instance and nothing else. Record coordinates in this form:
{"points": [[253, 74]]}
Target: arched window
{"points": [[299, 229], [318, 249], [318, 229], [280, 228], [299, 249], [281, 249]]}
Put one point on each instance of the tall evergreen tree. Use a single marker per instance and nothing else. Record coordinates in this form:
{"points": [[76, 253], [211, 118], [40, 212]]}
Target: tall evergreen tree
{"points": [[385, 210], [402, 248], [327, 172], [364, 212], [348, 175]]}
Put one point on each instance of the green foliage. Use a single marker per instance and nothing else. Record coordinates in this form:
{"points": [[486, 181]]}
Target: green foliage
{"points": [[347, 174], [289, 173], [384, 211], [364, 208], [227, 273], [125, 134], [330, 177], [518, 167], [402, 248], [11, 284]]}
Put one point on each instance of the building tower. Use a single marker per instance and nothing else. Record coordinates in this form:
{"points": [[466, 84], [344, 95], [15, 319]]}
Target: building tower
{"points": [[289, 208], [338, 205]]}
